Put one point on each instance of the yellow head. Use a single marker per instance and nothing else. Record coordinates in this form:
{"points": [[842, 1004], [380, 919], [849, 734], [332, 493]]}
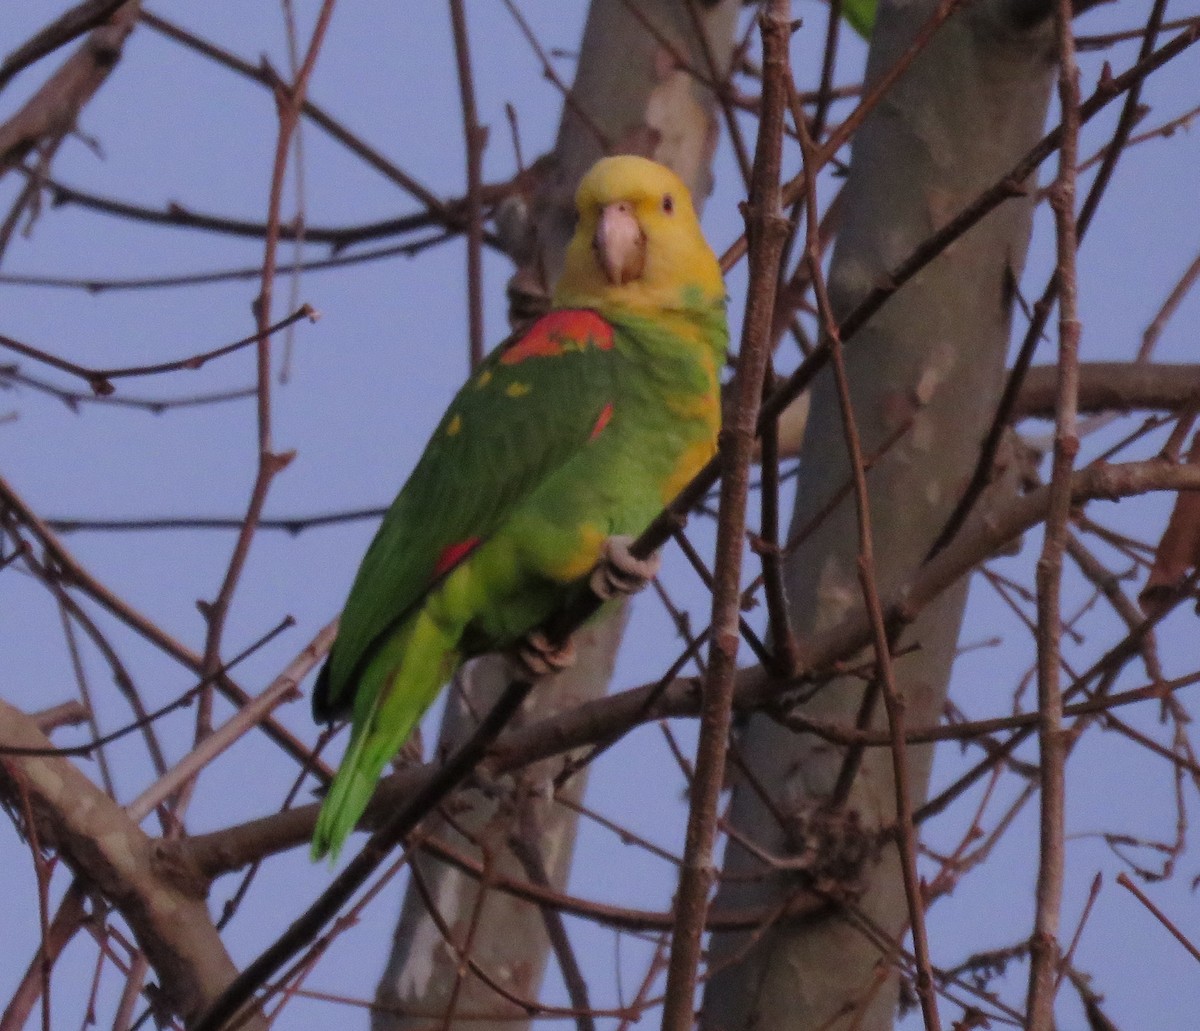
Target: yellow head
{"points": [[638, 244]]}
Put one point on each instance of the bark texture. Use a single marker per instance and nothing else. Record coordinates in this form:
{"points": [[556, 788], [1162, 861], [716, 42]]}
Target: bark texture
{"points": [[629, 96], [164, 906], [51, 112], [970, 105]]}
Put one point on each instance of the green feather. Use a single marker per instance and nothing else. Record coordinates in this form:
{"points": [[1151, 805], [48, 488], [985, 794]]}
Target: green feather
{"points": [[398, 685], [860, 16], [464, 486], [578, 429]]}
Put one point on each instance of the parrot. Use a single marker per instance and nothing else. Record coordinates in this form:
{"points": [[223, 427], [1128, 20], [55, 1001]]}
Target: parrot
{"points": [[860, 16], [559, 449]]}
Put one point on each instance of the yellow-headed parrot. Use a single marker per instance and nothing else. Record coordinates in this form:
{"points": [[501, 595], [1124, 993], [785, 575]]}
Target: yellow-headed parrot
{"points": [[566, 442]]}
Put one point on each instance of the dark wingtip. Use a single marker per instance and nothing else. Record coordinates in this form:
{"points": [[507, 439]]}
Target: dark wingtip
{"points": [[323, 709]]}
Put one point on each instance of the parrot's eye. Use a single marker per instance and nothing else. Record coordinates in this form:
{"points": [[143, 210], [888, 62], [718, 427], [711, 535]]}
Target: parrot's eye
{"points": [[668, 203]]}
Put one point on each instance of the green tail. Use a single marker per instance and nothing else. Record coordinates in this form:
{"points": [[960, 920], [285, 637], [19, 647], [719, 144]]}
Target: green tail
{"points": [[397, 687]]}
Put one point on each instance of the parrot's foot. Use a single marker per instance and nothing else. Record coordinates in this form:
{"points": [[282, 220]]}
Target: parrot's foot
{"points": [[619, 571], [536, 656]]}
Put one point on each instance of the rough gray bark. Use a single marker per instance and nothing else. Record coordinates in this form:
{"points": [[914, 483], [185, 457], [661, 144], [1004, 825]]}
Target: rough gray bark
{"points": [[633, 99], [967, 109]]}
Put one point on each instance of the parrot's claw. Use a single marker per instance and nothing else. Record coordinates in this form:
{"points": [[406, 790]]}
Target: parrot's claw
{"points": [[536, 656], [619, 572]]}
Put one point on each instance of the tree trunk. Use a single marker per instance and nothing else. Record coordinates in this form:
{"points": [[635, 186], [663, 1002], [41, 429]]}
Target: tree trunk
{"points": [[635, 98], [969, 106]]}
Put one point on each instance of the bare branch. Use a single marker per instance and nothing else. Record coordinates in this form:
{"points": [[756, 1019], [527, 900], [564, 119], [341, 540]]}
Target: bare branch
{"points": [[79, 577], [1044, 949], [102, 844], [604, 718], [100, 379], [1124, 881], [70, 25], [52, 111], [475, 136]]}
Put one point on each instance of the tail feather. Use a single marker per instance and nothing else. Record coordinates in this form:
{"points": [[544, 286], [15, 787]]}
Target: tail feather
{"points": [[396, 689], [347, 799]]}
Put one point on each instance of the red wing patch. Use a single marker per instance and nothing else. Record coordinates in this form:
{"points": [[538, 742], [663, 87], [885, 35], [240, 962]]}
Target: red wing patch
{"points": [[551, 335], [605, 416], [453, 554]]}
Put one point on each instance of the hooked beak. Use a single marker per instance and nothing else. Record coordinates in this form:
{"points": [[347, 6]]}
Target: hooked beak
{"points": [[619, 243]]}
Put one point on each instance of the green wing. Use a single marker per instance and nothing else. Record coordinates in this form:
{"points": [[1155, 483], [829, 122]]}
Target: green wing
{"points": [[535, 402], [860, 15]]}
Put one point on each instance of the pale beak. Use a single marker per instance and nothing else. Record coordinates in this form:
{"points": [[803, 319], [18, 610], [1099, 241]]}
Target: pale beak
{"points": [[619, 243]]}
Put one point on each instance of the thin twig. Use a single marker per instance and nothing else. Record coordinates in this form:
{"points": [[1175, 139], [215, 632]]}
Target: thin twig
{"points": [[885, 675], [97, 285], [1069, 955], [181, 702], [69, 25], [833, 25], [85, 694], [982, 474], [569, 98], [291, 524], [100, 379], [524, 846], [121, 676], [74, 399], [767, 229], [46, 116], [66, 922], [264, 76], [608, 719], [1044, 945], [1100, 42], [475, 137], [180, 216], [289, 106], [436, 787], [841, 135], [719, 87], [1124, 881], [77, 576], [281, 689], [1169, 307], [784, 649]]}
